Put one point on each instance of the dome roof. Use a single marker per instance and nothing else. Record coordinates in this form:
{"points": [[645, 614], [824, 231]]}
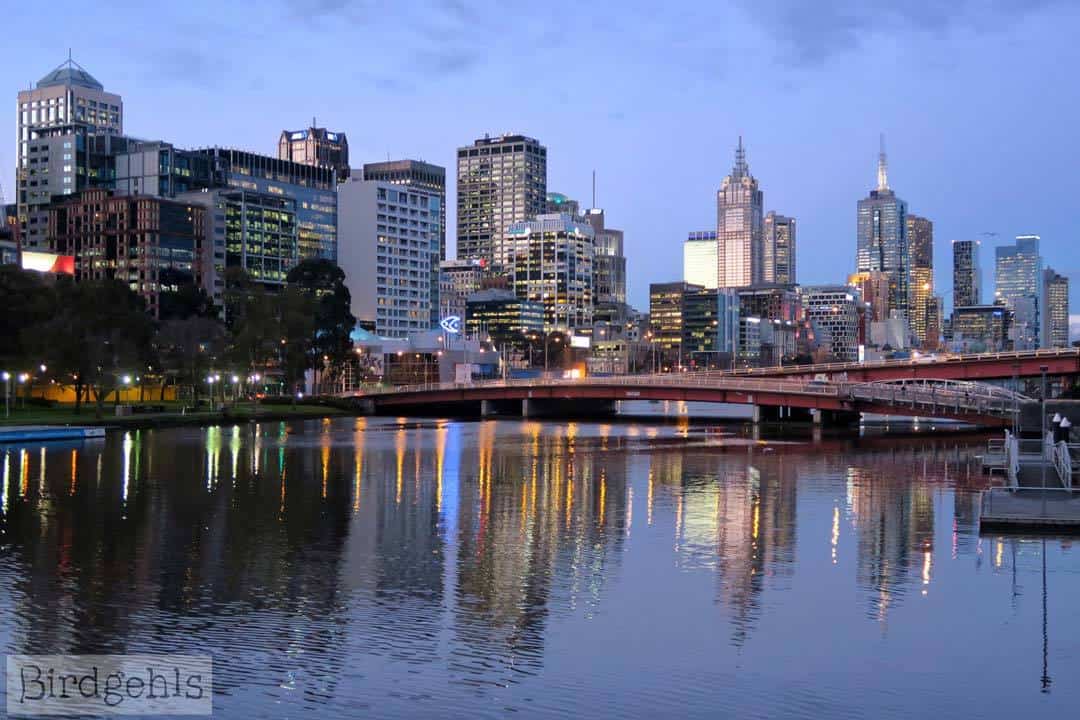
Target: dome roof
{"points": [[70, 73]]}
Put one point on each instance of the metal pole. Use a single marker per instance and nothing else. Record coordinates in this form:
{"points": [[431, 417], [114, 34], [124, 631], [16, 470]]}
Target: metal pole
{"points": [[1042, 413]]}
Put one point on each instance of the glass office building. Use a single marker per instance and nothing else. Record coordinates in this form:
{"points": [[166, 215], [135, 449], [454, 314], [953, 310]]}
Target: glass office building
{"points": [[503, 317], [1017, 280], [883, 241]]}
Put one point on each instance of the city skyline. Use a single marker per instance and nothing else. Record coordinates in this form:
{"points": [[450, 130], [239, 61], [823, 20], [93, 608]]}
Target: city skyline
{"points": [[940, 164]]}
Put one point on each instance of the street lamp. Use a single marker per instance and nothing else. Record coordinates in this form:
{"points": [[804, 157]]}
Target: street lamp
{"points": [[7, 393], [1042, 416]]}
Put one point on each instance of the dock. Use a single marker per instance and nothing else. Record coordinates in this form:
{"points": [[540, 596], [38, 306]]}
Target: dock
{"points": [[1038, 494], [1031, 509], [46, 433]]}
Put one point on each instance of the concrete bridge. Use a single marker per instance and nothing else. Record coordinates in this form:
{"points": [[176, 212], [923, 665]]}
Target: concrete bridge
{"points": [[772, 398]]}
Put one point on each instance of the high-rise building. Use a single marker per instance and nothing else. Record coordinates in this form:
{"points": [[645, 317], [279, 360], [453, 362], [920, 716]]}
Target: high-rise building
{"points": [[503, 317], [160, 169], [778, 258], [710, 326], [458, 279], [317, 147], [312, 187], [739, 226], [883, 241], [245, 229], [920, 232], [609, 262], [967, 273], [61, 126], [834, 315], [429, 177], [981, 328], [873, 287], [1017, 276], [552, 264], [666, 305], [388, 250], [154, 245], [700, 263], [1055, 309], [500, 181]]}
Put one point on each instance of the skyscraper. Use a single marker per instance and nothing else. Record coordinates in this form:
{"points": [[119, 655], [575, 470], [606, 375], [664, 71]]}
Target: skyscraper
{"points": [[1017, 276], [882, 238], [778, 258], [699, 259], [739, 226], [967, 273], [62, 125], [553, 265], [609, 262], [1055, 309], [500, 181], [920, 233], [317, 147], [389, 237], [559, 203], [415, 173]]}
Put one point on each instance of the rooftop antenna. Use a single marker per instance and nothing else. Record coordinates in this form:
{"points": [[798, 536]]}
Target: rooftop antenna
{"points": [[882, 166], [740, 160], [594, 189], [312, 122]]}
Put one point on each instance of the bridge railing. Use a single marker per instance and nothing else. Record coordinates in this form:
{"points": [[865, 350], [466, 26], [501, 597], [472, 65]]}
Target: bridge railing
{"points": [[932, 400], [876, 364]]}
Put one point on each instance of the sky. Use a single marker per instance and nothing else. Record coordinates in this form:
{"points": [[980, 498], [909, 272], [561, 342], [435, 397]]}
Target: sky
{"points": [[977, 100]]}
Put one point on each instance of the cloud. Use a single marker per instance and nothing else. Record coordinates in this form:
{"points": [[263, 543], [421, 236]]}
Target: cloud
{"points": [[807, 34]]}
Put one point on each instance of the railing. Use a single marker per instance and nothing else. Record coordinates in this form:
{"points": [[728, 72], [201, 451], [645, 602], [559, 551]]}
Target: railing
{"points": [[1063, 462], [931, 400], [835, 366]]}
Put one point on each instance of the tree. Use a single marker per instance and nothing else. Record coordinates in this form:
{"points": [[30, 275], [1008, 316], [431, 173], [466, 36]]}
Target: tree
{"points": [[99, 334], [295, 316], [27, 302], [323, 283]]}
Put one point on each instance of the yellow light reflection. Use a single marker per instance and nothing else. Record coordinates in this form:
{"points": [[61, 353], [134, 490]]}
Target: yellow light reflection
{"points": [[603, 496], [6, 480], [629, 508], [835, 532], [325, 458], [399, 449], [126, 477], [998, 552], [24, 472], [234, 449], [649, 499], [926, 567], [358, 463], [74, 470]]}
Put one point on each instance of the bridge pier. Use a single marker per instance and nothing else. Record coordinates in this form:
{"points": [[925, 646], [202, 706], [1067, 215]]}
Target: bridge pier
{"points": [[491, 408], [557, 407], [835, 418]]}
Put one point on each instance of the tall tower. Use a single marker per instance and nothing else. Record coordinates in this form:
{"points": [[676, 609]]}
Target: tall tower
{"points": [[500, 181], [920, 233], [739, 236], [778, 258], [1017, 283], [64, 127], [1055, 310], [967, 273], [882, 238]]}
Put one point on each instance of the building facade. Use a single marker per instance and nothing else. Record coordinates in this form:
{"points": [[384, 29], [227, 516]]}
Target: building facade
{"points": [[779, 249], [666, 306], [500, 181], [418, 174], [155, 246], [609, 261], [739, 226], [883, 241], [458, 279], [312, 188], [1055, 310], [552, 264], [710, 327], [389, 250], [503, 317], [833, 312], [700, 263], [967, 273], [253, 231], [1017, 279], [317, 147], [160, 169], [555, 203], [920, 233], [61, 148], [981, 328]]}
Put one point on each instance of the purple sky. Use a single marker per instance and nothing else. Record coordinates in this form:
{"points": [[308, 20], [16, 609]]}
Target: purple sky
{"points": [[978, 102]]}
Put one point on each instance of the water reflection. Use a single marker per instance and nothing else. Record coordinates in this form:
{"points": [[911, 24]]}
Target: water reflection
{"points": [[458, 568]]}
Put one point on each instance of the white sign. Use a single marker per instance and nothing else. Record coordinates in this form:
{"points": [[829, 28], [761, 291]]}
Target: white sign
{"points": [[580, 341], [451, 324]]}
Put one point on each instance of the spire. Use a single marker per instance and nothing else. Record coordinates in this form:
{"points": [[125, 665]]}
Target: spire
{"points": [[741, 168], [882, 167]]}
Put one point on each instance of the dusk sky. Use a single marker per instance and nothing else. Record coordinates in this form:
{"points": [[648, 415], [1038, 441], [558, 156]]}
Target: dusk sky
{"points": [[978, 102]]}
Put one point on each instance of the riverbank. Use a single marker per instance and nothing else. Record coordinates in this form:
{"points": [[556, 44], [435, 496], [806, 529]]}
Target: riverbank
{"points": [[66, 415]]}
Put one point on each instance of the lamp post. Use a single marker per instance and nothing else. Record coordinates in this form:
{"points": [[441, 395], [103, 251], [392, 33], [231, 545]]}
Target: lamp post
{"points": [[1042, 417], [7, 393]]}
